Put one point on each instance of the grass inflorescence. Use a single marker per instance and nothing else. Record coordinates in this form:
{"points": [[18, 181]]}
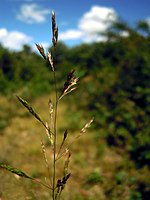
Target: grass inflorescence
{"points": [[60, 149]]}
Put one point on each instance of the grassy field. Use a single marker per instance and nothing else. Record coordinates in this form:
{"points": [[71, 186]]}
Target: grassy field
{"points": [[97, 171]]}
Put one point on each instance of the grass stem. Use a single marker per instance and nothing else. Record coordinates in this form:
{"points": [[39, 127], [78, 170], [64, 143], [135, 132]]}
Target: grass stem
{"points": [[55, 137]]}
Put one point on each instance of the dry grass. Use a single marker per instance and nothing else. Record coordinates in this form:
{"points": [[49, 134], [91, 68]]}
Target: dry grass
{"points": [[20, 142], [20, 147]]}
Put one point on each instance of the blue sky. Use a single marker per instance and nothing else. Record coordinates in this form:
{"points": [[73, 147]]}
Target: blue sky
{"points": [[28, 21]]}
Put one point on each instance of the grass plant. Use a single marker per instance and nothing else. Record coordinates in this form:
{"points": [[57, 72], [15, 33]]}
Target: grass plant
{"points": [[60, 149]]}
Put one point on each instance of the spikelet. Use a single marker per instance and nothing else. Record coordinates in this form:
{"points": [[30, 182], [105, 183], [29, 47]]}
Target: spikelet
{"points": [[87, 125], [49, 135], [69, 85], [44, 154], [65, 179], [31, 110], [67, 164], [54, 30], [50, 59], [41, 50], [61, 146], [61, 185], [84, 129], [51, 109]]}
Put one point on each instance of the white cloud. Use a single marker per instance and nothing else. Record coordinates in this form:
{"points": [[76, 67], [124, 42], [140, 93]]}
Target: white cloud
{"points": [[13, 40], [98, 19], [91, 25], [70, 34], [32, 13]]}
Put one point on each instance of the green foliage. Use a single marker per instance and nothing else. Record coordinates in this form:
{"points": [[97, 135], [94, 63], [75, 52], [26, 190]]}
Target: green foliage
{"points": [[120, 177], [135, 195], [22, 69], [119, 93], [94, 178], [3, 124]]}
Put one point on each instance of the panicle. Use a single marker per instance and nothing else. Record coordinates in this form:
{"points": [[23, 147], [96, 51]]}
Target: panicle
{"points": [[54, 30]]}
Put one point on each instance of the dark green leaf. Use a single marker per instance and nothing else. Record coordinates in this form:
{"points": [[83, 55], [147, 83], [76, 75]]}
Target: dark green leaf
{"points": [[14, 170]]}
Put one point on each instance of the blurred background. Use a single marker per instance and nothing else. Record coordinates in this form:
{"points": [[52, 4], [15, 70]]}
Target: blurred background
{"points": [[108, 44]]}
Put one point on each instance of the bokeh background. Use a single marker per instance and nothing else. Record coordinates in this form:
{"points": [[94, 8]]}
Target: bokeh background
{"points": [[108, 45]]}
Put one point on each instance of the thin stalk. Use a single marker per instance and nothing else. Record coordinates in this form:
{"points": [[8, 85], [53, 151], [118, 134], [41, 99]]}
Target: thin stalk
{"points": [[55, 137], [41, 183], [46, 161]]}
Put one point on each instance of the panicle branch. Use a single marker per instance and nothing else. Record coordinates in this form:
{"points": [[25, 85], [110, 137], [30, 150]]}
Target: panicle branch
{"points": [[69, 85], [31, 110]]}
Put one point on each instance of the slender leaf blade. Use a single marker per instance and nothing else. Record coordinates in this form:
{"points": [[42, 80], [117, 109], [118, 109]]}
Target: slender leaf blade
{"points": [[14, 170]]}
